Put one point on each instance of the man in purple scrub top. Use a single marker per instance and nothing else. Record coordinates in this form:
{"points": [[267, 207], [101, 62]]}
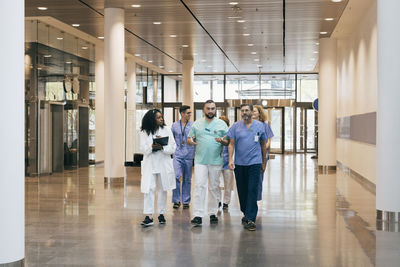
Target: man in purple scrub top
{"points": [[183, 159], [247, 140]]}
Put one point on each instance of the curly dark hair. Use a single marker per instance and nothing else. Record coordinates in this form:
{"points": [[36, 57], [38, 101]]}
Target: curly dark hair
{"points": [[149, 123]]}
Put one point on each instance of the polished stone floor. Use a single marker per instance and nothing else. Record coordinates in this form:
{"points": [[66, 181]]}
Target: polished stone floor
{"points": [[305, 219]]}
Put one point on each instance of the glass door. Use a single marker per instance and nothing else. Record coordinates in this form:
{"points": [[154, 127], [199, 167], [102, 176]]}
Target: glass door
{"points": [[306, 130]]}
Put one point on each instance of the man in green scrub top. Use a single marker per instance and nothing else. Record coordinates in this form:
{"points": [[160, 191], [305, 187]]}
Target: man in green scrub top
{"points": [[207, 135]]}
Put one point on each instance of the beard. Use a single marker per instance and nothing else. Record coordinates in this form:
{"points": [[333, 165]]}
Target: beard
{"points": [[210, 116], [247, 117]]}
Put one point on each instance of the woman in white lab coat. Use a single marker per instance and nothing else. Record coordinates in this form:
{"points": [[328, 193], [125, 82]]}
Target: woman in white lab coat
{"points": [[157, 169]]}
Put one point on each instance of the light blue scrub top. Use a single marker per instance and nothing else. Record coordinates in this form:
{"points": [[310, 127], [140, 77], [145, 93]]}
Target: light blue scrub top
{"points": [[247, 147], [208, 151]]}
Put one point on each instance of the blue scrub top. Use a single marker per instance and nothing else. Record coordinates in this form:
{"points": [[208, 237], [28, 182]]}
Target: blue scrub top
{"points": [[181, 133], [247, 150]]}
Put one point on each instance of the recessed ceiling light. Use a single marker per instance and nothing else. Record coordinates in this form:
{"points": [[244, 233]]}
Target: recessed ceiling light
{"points": [[336, 1], [329, 19], [259, 66], [42, 8], [253, 53], [137, 55], [315, 52], [317, 43], [323, 32], [68, 62], [233, 3], [39, 68], [172, 35], [157, 22], [234, 17], [150, 61], [185, 45], [195, 54], [250, 44], [47, 55], [170, 71], [312, 58], [75, 25], [256, 59], [84, 47], [241, 21], [135, 5], [101, 37], [246, 34], [161, 67], [59, 38]]}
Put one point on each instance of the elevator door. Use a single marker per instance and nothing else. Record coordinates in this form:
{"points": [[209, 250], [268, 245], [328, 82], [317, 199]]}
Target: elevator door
{"points": [[57, 143], [83, 137]]}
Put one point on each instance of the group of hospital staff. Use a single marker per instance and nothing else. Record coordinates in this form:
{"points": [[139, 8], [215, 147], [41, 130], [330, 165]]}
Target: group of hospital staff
{"points": [[237, 152]]}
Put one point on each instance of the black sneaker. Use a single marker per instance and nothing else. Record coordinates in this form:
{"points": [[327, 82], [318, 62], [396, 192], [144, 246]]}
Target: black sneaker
{"points": [[147, 221], [225, 206], [251, 226], [185, 206], [196, 221], [161, 219], [213, 219], [176, 205], [244, 220]]}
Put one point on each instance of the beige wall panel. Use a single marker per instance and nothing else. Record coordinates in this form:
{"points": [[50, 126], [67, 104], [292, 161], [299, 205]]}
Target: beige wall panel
{"points": [[360, 157], [357, 68]]}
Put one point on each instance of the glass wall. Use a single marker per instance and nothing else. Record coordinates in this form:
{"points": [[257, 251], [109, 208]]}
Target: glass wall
{"points": [[307, 87], [208, 87], [59, 89]]}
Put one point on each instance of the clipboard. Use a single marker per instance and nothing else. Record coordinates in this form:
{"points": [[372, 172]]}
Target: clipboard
{"points": [[162, 141]]}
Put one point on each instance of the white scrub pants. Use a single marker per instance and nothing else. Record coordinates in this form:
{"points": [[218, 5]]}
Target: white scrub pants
{"points": [[228, 185], [149, 197], [206, 175]]}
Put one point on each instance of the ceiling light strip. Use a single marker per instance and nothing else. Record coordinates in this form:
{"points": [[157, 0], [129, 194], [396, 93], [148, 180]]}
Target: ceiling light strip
{"points": [[126, 29], [215, 42]]}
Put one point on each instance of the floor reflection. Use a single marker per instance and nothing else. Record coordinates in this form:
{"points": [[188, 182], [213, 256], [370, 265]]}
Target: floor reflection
{"points": [[305, 219]]}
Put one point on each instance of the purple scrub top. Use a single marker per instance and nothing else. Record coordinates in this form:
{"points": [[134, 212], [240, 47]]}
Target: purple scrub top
{"points": [[247, 150], [180, 132]]}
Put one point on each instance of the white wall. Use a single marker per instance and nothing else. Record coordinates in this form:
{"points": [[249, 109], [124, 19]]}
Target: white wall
{"points": [[357, 89]]}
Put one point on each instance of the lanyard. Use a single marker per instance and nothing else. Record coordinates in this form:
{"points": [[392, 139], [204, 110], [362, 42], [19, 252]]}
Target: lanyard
{"points": [[183, 131]]}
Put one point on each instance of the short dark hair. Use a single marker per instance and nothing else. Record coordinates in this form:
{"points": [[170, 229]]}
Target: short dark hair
{"points": [[247, 105], [209, 101], [183, 108], [149, 124]]}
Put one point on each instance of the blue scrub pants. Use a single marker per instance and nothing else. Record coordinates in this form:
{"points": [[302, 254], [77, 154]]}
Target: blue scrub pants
{"points": [[183, 166], [247, 181]]}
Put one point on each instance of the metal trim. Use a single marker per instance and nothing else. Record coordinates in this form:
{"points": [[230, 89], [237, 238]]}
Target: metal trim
{"points": [[20, 263], [113, 180], [325, 169]]}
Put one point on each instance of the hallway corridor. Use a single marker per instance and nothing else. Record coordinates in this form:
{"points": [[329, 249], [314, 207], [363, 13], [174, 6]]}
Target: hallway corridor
{"points": [[304, 219]]}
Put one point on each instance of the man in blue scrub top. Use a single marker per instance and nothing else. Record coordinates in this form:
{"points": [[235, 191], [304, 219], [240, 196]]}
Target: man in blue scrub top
{"points": [[183, 158], [247, 139]]}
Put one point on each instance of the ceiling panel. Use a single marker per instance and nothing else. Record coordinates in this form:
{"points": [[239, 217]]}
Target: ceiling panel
{"points": [[225, 48]]}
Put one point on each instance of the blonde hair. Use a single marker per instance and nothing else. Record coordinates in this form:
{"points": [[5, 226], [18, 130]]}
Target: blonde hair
{"points": [[263, 115]]}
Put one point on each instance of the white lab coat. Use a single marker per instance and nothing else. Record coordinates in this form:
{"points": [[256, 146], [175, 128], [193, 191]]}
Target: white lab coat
{"points": [[162, 158]]}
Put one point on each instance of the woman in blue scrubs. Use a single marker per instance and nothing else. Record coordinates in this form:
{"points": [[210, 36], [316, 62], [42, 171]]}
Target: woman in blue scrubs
{"points": [[260, 115]]}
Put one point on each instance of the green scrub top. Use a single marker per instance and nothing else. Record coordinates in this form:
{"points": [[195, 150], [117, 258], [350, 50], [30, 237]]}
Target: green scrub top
{"points": [[208, 151]]}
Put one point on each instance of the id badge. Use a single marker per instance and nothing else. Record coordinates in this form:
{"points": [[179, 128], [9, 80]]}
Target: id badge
{"points": [[256, 137]]}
